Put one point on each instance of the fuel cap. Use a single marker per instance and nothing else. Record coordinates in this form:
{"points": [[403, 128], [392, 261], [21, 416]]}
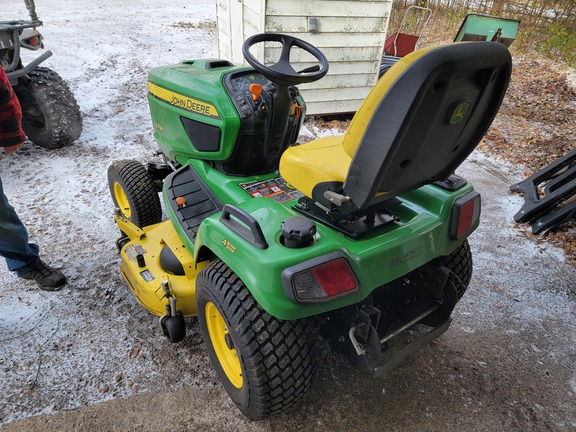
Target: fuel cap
{"points": [[298, 232]]}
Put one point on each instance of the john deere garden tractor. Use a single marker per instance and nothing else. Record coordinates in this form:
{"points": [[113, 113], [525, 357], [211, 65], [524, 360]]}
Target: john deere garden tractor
{"points": [[357, 239]]}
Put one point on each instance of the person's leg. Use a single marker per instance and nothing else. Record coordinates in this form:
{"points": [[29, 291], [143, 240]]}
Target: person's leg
{"points": [[21, 255]]}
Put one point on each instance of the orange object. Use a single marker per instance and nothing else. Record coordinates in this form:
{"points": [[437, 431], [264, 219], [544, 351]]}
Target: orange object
{"points": [[255, 89], [297, 111], [181, 201]]}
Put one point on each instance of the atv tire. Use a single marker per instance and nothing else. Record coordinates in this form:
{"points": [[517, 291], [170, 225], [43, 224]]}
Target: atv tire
{"points": [[50, 114], [134, 193], [265, 364], [460, 262]]}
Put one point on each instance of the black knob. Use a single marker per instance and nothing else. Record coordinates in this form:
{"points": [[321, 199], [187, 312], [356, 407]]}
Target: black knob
{"points": [[298, 232]]}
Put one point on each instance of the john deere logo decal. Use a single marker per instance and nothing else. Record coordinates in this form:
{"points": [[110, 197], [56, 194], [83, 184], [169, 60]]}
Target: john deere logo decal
{"points": [[183, 102], [459, 113]]}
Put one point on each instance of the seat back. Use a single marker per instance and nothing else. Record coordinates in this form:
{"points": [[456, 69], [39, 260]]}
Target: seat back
{"points": [[423, 118]]}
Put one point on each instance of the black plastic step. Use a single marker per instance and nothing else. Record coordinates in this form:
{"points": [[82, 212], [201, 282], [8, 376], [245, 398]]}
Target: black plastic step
{"points": [[200, 202]]}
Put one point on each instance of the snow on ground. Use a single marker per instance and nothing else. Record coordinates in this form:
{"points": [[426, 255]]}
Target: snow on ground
{"points": [[92, 342], [61, 341]]}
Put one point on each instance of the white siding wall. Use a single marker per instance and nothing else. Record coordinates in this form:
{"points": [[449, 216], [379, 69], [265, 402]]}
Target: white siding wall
{"points": [[350, 33], [223, 23]]}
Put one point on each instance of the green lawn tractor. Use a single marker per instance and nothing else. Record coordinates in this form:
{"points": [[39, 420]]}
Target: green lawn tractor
{"points": [[360, 239]]}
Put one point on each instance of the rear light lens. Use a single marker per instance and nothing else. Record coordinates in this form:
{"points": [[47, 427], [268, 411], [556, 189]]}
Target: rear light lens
{"points": [[321, 279], [465, 215], [33, 41]]}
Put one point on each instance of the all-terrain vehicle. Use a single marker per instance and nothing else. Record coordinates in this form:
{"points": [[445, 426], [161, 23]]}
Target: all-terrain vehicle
{"points": [[51, 117], [360, 239]]}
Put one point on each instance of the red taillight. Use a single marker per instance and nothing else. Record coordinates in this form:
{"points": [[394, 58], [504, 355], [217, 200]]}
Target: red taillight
{"points": [[335, 277], [465, 215], [466, 218], [322, 282], [33, 41]]}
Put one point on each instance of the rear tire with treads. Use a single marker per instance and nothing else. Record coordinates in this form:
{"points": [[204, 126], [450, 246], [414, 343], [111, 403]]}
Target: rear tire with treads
{"points": [[51, 117], [265, 364], [460, 262]]}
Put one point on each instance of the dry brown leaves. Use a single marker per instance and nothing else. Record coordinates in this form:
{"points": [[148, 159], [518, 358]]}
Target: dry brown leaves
{"points": [[537, 121]]}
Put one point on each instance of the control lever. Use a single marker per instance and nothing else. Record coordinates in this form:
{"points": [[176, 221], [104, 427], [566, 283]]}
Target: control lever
{"points": [[255, 90]]}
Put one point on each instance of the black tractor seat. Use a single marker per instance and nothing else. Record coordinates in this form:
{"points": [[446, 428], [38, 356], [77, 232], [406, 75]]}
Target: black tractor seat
{"points": [[417, 125]]}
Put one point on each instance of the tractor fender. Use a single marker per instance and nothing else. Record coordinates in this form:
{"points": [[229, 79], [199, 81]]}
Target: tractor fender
{"points": [[260, 260], [257, 262]]}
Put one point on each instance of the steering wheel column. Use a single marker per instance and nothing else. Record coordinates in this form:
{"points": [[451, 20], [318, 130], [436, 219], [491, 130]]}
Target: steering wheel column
{"points": [[277, 98]]}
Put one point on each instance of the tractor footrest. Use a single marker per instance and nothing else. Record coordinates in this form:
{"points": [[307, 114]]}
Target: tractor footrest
{"points": [[556, 205], [190, 199]]}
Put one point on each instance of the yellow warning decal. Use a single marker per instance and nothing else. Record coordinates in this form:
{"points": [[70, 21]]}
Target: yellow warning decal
{"points": [[229, 246], [184, 102]]}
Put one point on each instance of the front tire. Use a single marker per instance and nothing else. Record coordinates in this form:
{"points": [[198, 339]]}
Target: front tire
{"points": [[51, 117], [265, 364], [134, 193]]}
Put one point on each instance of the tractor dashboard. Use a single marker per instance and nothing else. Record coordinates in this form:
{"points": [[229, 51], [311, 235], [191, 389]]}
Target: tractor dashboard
{"points": [[240, 82]]}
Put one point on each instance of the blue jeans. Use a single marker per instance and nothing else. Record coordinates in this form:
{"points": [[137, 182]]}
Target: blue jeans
{"points": [[21, 256]]}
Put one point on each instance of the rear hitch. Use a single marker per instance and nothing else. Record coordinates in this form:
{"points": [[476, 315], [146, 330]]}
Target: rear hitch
{"points": [[399, 319]]}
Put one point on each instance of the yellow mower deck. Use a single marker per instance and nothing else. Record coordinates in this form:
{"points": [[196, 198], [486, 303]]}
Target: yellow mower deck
{"points": [[141, 268]]}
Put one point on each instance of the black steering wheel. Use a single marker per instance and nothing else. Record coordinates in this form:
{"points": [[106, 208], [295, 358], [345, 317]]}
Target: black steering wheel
{"points": [[282, 72]]}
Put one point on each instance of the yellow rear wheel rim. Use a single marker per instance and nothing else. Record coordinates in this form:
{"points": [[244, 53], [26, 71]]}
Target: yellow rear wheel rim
{"points": [[225, 351], [122, 200]]}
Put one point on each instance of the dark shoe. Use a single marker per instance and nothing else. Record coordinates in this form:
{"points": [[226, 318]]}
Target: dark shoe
{"points": [[46, 277]]}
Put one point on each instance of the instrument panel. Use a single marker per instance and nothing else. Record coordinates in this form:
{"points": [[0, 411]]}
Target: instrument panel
{"points": [[241, 81], [238, 86]]}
